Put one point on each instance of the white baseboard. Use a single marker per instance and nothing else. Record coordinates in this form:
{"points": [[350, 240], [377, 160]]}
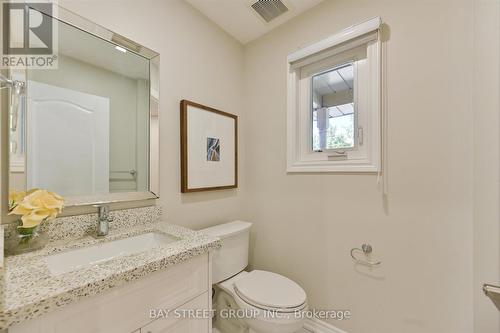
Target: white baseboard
{"points": [[318, 326]]}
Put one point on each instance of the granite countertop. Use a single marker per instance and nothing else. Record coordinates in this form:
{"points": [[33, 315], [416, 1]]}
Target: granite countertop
{"points": [[30, 290]]}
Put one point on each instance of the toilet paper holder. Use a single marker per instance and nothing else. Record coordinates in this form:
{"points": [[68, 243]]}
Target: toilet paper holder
{"points": [[365, 249]]}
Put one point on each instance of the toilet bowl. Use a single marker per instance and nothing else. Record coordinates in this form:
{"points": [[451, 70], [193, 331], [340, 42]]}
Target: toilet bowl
{"points": [[266, 302], [271, 302]]}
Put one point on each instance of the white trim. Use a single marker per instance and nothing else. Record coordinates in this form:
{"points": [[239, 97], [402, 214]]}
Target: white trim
{"points": [[340, 37], [318, 326]]}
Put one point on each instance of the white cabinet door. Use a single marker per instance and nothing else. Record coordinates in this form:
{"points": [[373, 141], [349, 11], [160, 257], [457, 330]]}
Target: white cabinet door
{"points": [[126, 308], [187, 323]]}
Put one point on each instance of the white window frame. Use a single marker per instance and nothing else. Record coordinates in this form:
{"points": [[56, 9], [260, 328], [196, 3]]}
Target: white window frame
{"points": [[300, 157]]}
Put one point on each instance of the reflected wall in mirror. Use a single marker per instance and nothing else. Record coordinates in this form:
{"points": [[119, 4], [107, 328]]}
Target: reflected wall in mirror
{"points": [[89, 127]]}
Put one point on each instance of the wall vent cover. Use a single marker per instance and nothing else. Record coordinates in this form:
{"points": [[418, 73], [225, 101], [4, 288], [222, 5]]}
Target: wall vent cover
{"points": [[269, 9]]}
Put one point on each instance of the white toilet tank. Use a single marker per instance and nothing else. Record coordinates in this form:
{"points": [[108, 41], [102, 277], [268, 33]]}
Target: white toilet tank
{"points": [[232, 258]]}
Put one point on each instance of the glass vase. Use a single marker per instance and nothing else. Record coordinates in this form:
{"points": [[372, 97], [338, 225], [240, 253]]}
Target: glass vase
{"points": [[26, 240]]}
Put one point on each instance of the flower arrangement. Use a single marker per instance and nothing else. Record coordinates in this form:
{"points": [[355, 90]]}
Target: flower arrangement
{"points": [[35, 206]]}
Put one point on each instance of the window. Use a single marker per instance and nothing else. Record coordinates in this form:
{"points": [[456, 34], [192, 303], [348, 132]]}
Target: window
{"points": [[333, 103], [332, 109]]}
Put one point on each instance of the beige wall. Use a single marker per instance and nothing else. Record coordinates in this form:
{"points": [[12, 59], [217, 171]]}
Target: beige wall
{"points": [[486, 105], [198, 61], [305, 224]]}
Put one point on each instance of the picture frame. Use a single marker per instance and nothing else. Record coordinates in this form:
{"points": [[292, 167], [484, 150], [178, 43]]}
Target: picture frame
{"points": [[209, 148]]}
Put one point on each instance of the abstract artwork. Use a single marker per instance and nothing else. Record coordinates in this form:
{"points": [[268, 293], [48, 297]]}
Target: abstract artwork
{"points": [[209, 148], [213, 149]]}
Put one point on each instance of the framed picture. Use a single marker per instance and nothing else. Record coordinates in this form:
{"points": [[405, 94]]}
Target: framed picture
{"points": [[209, 148]]}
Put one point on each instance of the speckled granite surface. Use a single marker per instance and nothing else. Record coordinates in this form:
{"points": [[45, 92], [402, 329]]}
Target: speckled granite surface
{"points": [[72, 227], [31, 290]]}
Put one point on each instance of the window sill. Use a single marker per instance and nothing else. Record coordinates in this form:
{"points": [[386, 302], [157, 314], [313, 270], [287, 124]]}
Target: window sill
{"points": [[332, 167]]}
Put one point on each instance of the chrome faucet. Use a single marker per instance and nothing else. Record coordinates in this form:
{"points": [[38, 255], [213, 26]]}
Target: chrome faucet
{"points": [[103, 220]]}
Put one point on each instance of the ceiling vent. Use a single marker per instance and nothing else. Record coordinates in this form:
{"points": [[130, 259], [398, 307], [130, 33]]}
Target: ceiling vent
{"points": [[268, 10]]}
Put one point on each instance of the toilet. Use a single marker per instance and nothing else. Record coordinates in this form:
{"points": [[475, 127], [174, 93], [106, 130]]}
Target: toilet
{"points": [[256, 301]]}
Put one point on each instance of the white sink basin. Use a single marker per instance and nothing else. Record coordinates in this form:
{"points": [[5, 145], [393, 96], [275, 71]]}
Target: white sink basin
{"points": [[74, 259]]}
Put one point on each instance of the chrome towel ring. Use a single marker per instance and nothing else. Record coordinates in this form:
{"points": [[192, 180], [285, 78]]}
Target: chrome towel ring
{"points": [[366, 249]]}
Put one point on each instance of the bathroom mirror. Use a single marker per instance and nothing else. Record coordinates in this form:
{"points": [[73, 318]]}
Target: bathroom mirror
{"points": [[89, 129]]}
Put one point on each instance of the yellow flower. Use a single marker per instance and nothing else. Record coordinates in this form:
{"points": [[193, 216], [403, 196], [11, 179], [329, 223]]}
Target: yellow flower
{"points": [[15, 197], [53, 201], [37, 206], [34, 218]]}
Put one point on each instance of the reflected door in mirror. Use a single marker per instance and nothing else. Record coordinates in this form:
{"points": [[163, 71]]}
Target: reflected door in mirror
{"points": [[67, 140]]}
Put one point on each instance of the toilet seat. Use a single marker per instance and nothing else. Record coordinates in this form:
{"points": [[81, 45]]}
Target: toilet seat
{"points": [[273, 307], [270, 291]]}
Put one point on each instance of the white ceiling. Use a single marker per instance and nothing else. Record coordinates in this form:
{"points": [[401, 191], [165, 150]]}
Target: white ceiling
{"points": [[239, 20]]}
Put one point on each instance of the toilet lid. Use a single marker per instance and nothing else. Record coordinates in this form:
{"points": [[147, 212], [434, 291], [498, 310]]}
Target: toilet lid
{"points": [[270, 290]]}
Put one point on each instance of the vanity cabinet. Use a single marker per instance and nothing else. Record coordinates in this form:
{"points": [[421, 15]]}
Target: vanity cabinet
{"points": [[181, 324], [126, 308]]}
